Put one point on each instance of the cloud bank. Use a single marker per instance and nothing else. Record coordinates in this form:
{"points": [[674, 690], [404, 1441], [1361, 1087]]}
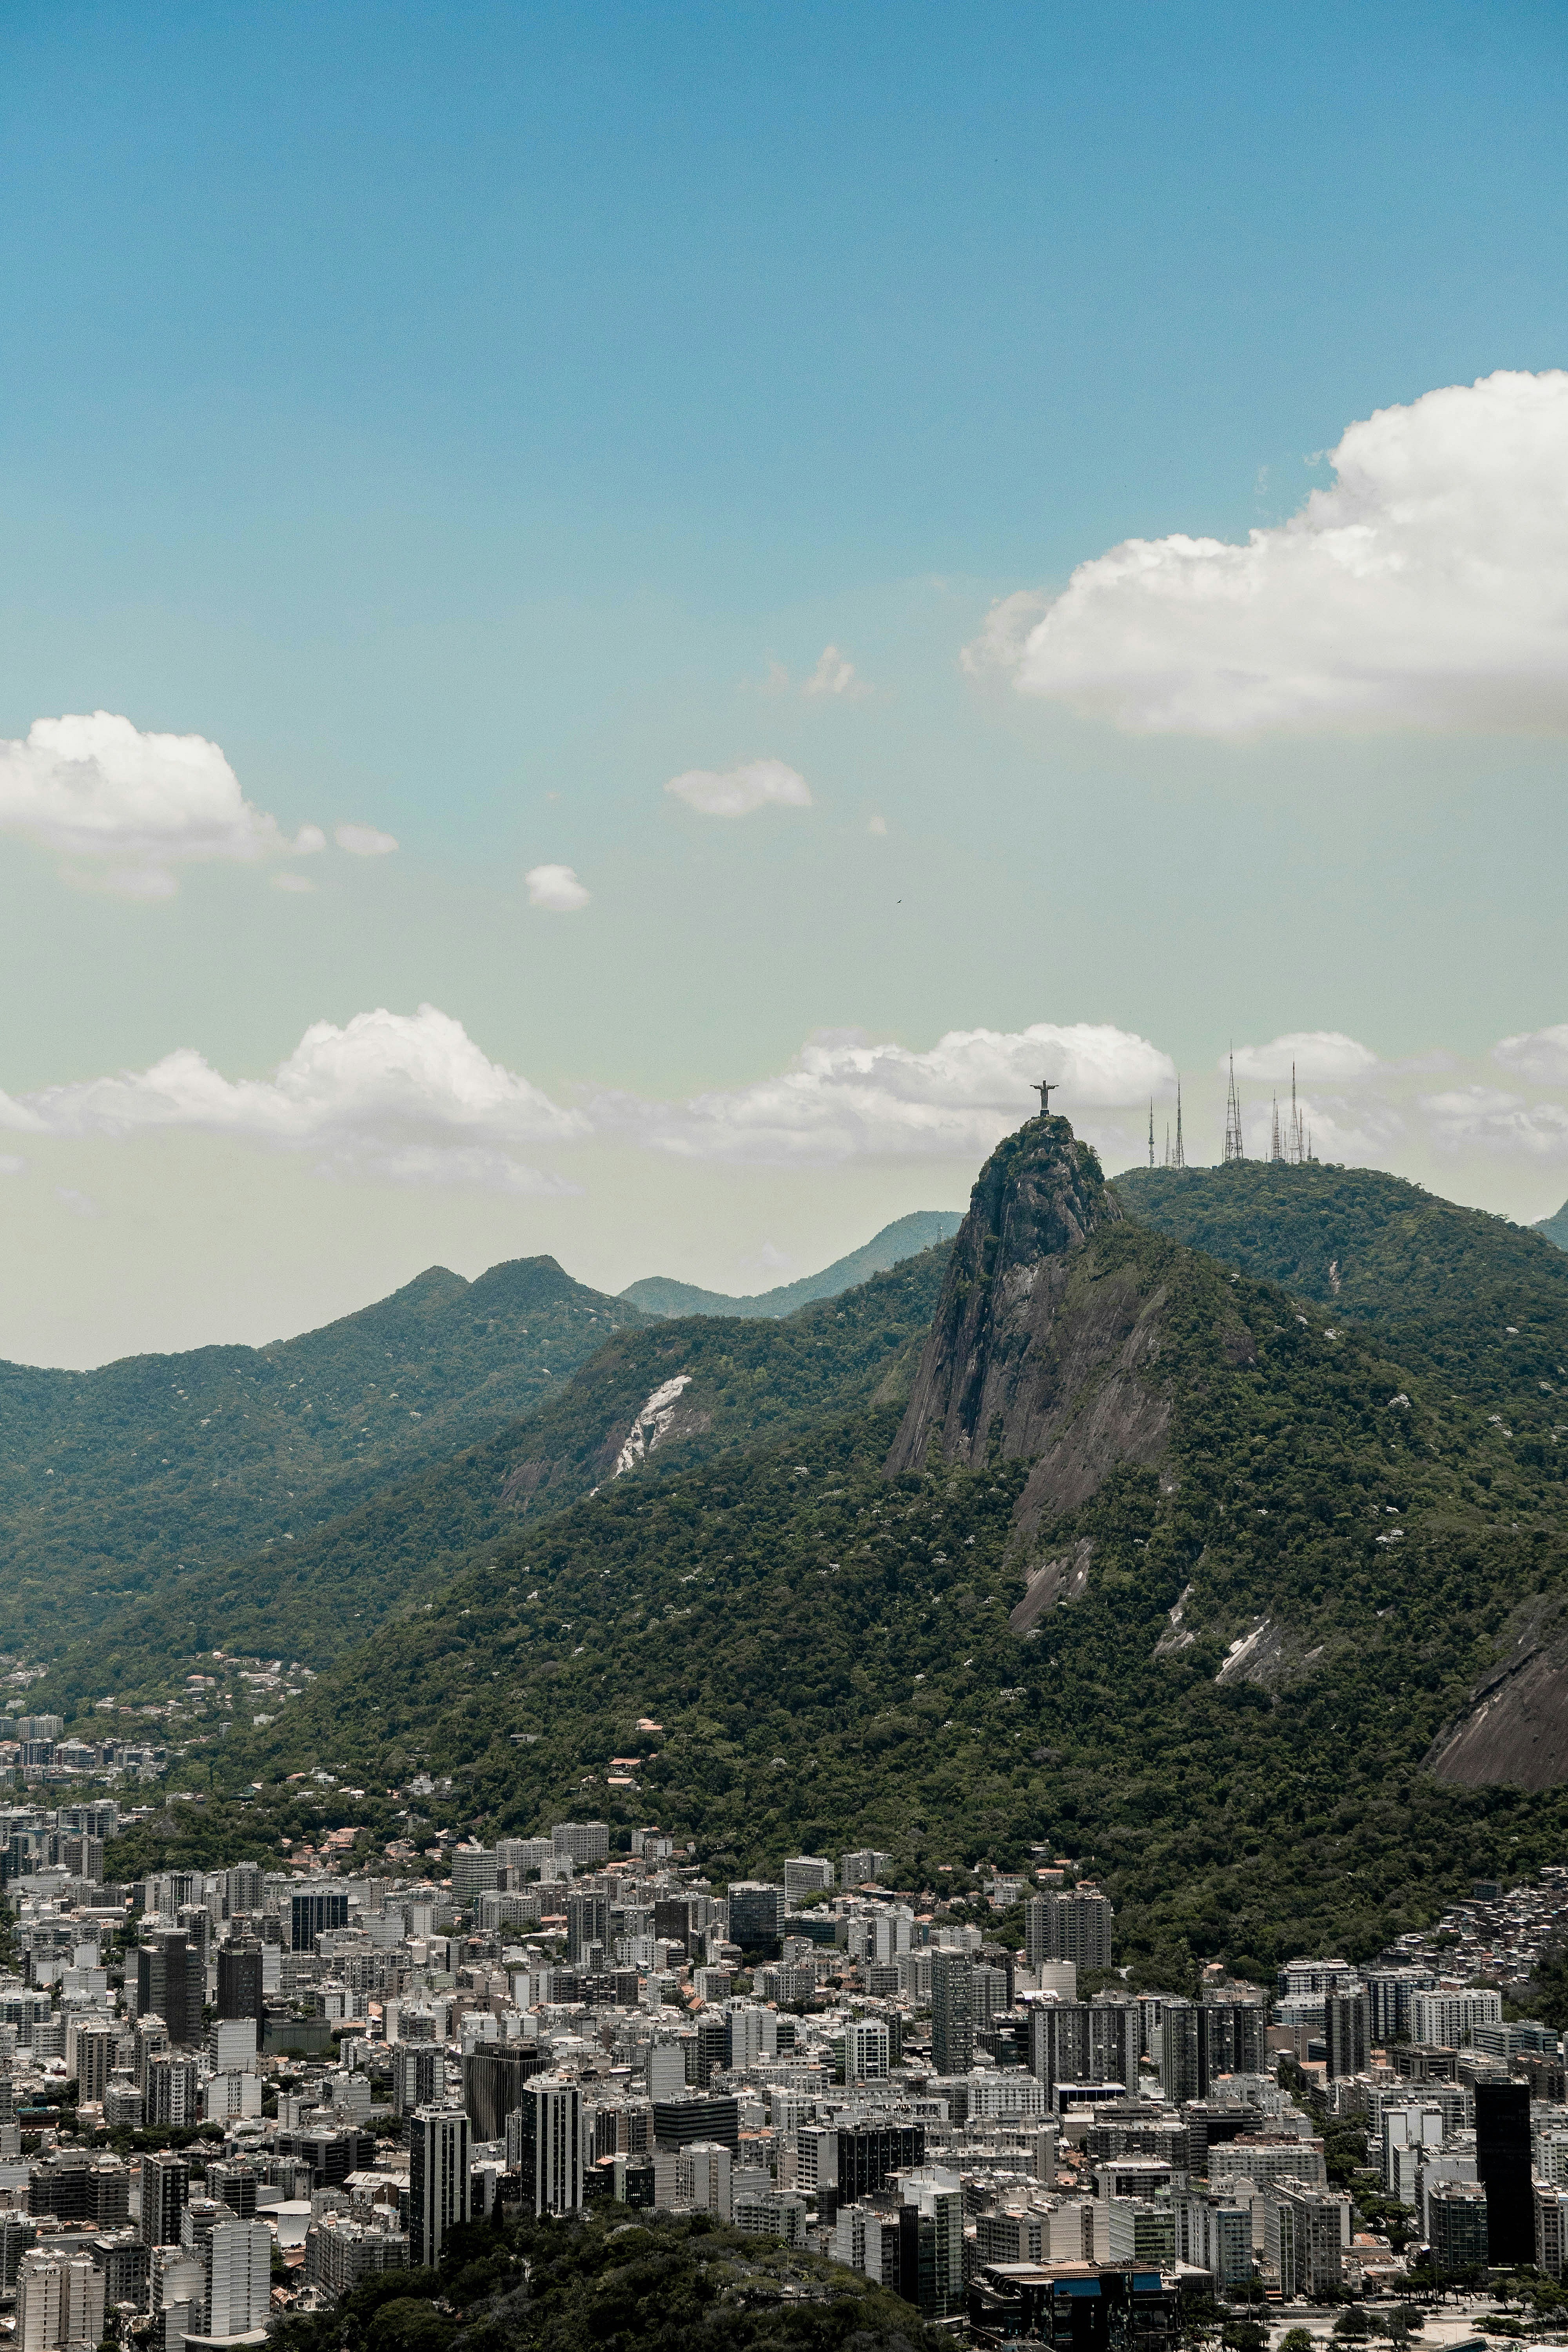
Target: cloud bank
{"points": [[406, 1098], [1427, 587], [737, 792], [410, 1098], [127, 809]]}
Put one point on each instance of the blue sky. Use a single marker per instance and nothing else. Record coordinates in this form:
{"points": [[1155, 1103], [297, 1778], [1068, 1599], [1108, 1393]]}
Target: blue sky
{"points": [[462, 416]]}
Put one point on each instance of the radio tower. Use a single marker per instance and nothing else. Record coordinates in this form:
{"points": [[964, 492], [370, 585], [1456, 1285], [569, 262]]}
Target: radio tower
{"points": [[1151, 1130], [1233, 1146], [1275, 1152], [1296, 1142], [1178, 1157]]}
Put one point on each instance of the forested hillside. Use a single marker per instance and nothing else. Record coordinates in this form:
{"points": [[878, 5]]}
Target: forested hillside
{"points": [[333, 1584], [1479, 1305], [119, 1482], [1219, 1682]]}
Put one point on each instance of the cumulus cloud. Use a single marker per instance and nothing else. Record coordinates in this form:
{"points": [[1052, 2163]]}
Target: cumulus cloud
{"points": [[364, 841], [736, 791], [1426, 587], [555, 888], [1310, 1052], [129, 807], [10, 1165], [843, 1098], [409, 1097], [1485, 1119], [1539, 1054]]}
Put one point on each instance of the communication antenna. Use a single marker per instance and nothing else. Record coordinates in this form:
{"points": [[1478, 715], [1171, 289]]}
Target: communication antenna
{"points": [[1151, 1130], [1181, 1155], [1233, 1146], [1275, 1152]]}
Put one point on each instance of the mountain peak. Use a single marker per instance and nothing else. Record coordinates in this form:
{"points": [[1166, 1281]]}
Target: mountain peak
{"points": [[1038, 1200]]}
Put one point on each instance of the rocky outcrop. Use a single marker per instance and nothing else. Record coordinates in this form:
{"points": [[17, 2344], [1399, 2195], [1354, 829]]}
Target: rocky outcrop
{"points": [[1038, 1352], [1515, 1727]]}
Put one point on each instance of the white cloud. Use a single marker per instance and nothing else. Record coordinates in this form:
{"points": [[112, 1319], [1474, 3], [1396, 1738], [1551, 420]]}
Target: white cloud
{"points": [[407, 1097], [877, 825], [1427, 587], [295, 882], [843, 1098], [10, 1165], [555, 888], [836, 675], [1311, 1053], [1540, 1053], [364, 841], [80, 1205], [129, 807], [1484, 1118], [759, 783]]}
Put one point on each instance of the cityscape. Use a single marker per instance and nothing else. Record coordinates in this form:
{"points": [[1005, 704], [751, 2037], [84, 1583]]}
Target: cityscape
{"points": [[230, 2097]]}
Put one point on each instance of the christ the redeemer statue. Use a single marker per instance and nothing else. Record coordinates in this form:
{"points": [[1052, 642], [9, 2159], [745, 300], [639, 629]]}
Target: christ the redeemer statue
{"points": [[1048, 1088]]}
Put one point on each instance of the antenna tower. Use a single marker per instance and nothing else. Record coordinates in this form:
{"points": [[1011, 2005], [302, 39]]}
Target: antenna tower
{"points": [[1180, 1161], [1274, 1149], [1233, 1146], [1151, 1130], [1295, 1140]]}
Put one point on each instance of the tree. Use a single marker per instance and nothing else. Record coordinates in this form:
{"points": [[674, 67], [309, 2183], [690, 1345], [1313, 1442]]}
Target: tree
{"points": [[1296, 2340]]}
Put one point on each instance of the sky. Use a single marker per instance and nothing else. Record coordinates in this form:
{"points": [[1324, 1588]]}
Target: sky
{"points": [[619, 624]]}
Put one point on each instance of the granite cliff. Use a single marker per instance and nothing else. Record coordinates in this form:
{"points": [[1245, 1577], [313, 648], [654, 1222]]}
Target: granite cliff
{"points": [[1045, 1346]]}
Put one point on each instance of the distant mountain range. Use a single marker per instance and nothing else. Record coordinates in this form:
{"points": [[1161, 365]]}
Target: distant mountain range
{"points": [[1555, 1228], [906, 1237]]}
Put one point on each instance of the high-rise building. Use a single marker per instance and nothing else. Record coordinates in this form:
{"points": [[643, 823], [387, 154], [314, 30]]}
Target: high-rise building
{"points": [[806, 1873], [931, 2241], [165, 2191], [1233, 2037], [1180, 2044], [1072, 1924], [170, 1984], [438, 2181], [587, 1925], [59, 2300], [1306, 2230], [96, 2054], [475, 1871], [312, 1910], [582, 1842], [243, 1889], [1456, 2225], [419, 2078], [1058, 2043], [1345, 2019], [1113, 2035], [952, 2012], [495, 2075], [239, 1981], [545, 2143], [1502, 2162], [756, 1915], [238, 2263], [172, 2093], [866, 2047]]}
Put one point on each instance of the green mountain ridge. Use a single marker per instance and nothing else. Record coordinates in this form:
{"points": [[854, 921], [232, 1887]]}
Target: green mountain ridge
{"points": [[1555, 1228], [922, 1229], [117, 1481], [336, 1583], [1211, 1656]]}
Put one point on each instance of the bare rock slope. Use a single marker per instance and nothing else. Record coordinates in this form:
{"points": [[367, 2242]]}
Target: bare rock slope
{"points": [[1039, 1351]]}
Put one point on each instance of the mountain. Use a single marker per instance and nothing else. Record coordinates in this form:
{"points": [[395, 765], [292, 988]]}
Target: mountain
{"points": [[921, 1229], [1471, 1301], [1154, 1559], [665, 1391], [117, 1482], [1555, 1228]]}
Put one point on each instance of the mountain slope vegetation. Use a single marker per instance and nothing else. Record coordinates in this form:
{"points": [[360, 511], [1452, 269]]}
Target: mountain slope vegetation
{"points": [[922, 1229], [115, 1482], [1470, 1300], [1211, 1665], [333, 1586]]}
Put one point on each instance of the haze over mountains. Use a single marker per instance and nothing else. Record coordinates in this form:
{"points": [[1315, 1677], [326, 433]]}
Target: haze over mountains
{"points": [[920, 1230]]}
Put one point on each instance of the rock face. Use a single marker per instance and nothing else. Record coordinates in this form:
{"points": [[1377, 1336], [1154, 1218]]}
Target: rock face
{"points": [[1036, 1349], [1515, 1727]]}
